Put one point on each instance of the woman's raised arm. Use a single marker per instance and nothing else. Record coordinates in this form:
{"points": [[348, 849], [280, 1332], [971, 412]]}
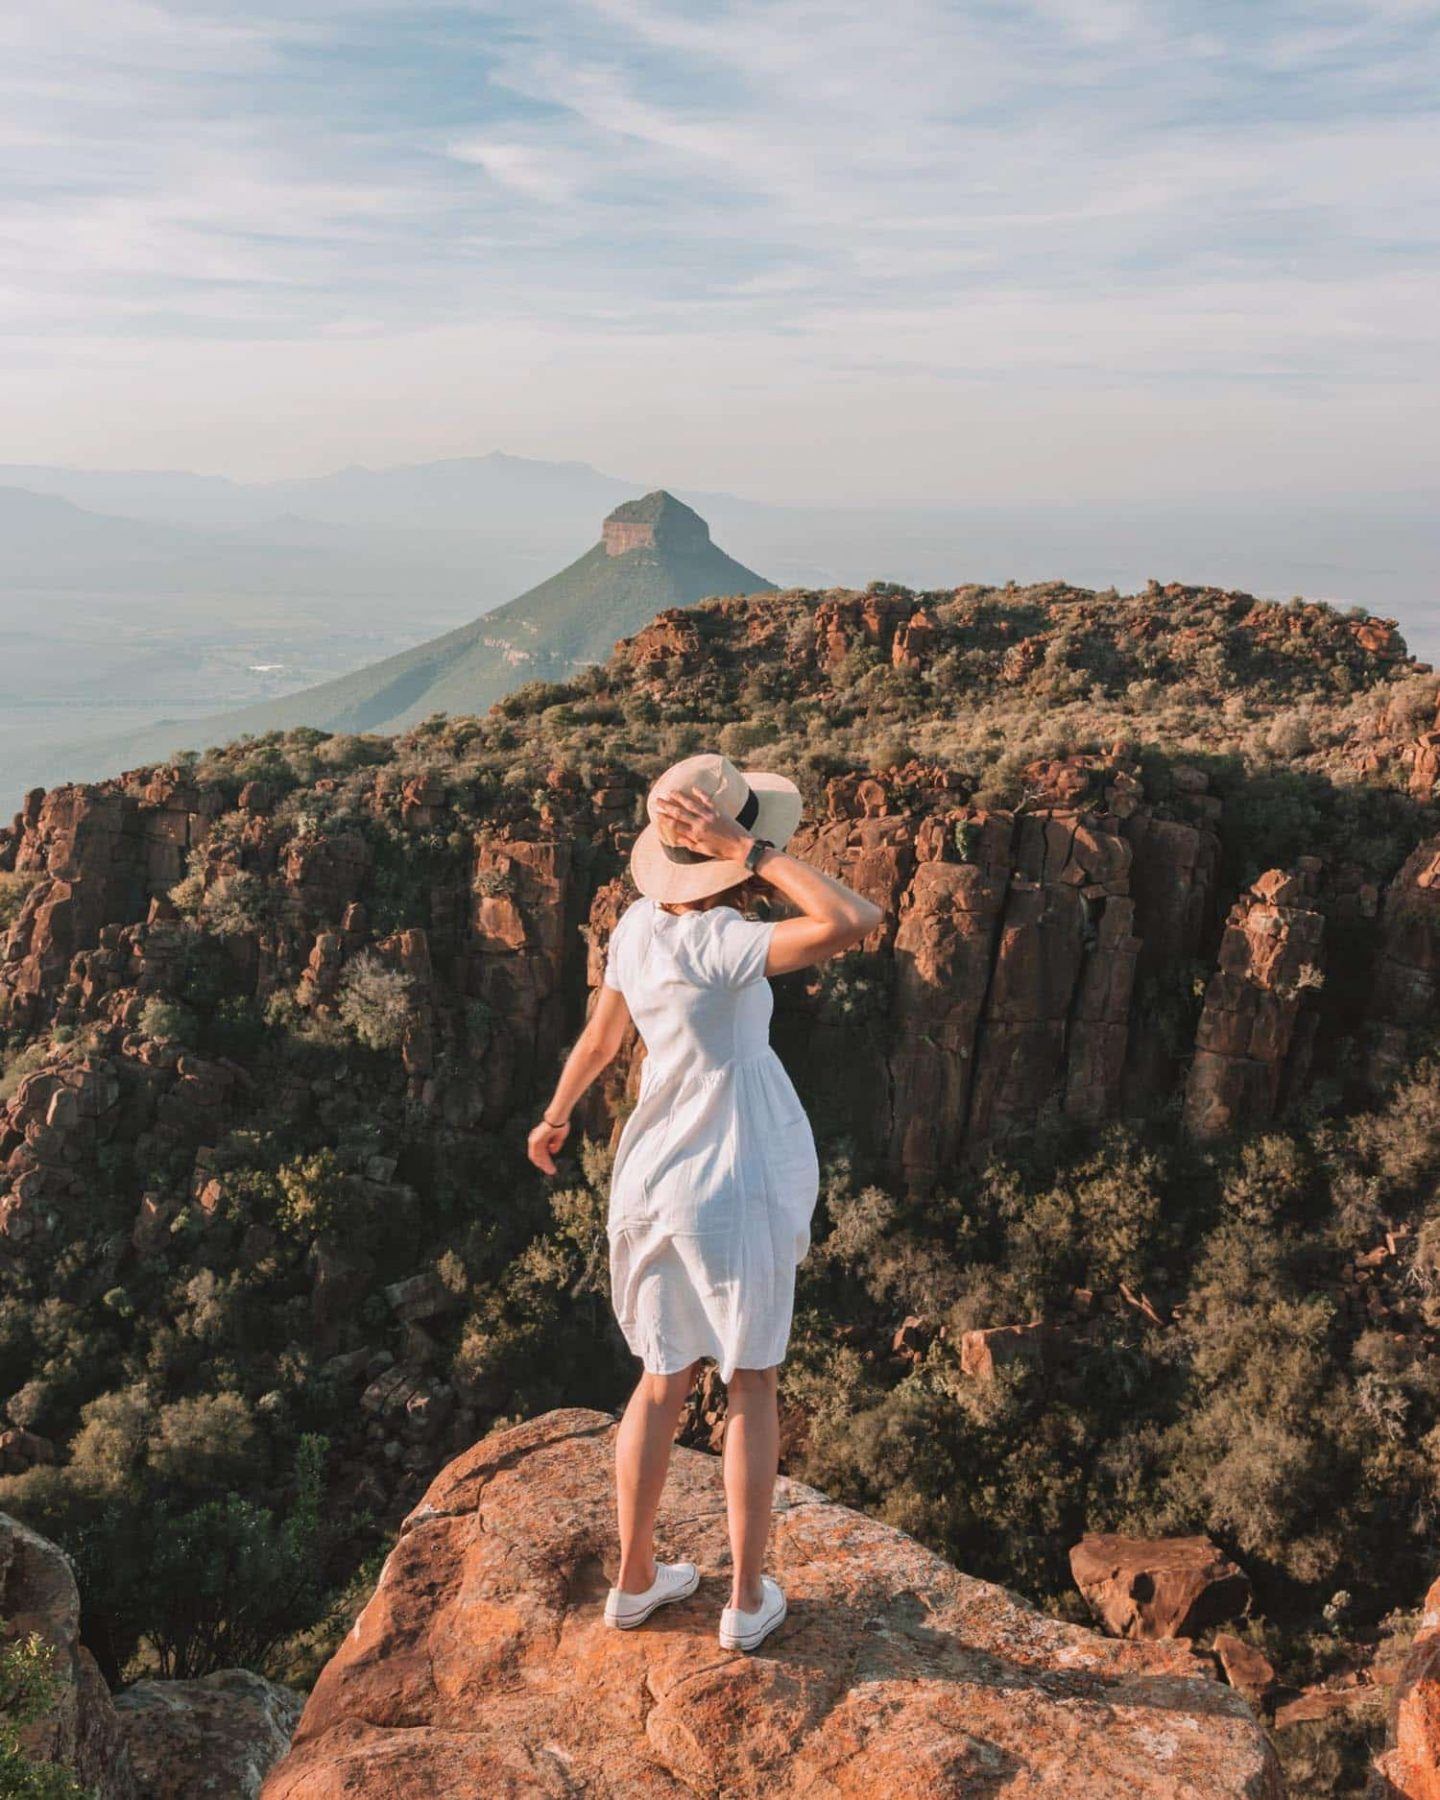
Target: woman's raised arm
{"points": [[836, 918]]}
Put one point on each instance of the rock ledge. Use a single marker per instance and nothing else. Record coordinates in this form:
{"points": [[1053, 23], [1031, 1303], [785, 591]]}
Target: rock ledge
{"points": [[480, 1666]]}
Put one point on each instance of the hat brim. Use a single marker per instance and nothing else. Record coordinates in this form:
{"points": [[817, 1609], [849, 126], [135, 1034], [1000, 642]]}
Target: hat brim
{"points": [[780, 807]]}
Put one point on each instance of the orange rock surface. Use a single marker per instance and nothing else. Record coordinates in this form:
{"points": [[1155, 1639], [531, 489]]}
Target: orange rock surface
{"points": [[1410, 1768], [480, 1668]]}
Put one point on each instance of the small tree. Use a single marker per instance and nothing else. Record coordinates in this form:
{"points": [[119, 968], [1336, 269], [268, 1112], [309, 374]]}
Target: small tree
{"points": [[13, 889], [167, 1021], [214, 1586], [375, 1003]]}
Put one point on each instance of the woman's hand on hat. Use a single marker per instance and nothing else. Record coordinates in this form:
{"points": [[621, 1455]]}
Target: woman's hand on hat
{"points": [[695, 823]]}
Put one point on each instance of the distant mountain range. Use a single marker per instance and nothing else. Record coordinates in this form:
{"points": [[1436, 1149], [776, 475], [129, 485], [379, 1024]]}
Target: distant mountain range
{"points": [[463, 493], [653, 553]]}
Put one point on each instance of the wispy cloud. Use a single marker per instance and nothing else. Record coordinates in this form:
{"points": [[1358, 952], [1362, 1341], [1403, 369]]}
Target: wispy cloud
{"points": [[528, 169], [1082, 194]]}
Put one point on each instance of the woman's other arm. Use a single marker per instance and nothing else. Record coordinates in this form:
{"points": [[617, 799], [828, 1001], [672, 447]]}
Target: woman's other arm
{"points": [[835, 918], [595, 1049]]}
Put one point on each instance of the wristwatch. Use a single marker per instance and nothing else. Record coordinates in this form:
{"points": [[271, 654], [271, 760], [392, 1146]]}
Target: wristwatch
{"points": [[753, 855]]}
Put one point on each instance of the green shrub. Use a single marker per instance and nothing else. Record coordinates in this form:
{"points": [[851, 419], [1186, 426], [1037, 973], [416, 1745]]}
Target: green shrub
{"points": [[28, 1690], [13, 889], [376, 1002], [168, 1021], [214, 1586]]}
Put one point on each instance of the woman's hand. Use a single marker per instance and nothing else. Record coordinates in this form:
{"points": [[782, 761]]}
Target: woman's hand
{"points": [[544, 1144], [695, 824]]}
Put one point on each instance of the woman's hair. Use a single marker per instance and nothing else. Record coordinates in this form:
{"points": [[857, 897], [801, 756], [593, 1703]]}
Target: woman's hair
{"points": [[744, 897]]}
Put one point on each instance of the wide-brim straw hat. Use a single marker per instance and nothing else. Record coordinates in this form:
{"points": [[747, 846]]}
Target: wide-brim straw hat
{"points": [[768, 806]]}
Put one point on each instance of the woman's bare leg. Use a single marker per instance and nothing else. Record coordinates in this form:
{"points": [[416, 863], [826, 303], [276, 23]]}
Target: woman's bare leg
{"points": [[752, 1458], [642, 1458]]}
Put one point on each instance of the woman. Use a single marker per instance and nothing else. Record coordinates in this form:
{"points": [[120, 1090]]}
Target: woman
{"points": [[715, 1176]]}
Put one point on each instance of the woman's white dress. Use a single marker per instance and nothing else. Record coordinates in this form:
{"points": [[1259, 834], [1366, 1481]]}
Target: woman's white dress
{"points": [[715, 1175]]}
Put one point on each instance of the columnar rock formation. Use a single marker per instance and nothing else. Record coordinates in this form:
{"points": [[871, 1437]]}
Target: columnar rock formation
{"points": [[1002, 986], [1254, 1035], [1407, 969], [1007, 964], [97, 856], [480, 1665]]}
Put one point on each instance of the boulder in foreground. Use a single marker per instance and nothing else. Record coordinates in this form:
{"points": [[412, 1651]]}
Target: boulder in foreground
{"points": [[80, 1732], [1158, 1587], [214, 1737], [480, 1666]]}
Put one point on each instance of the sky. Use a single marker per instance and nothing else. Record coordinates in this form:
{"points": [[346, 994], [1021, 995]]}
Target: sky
{"points": [[1018, 252]]}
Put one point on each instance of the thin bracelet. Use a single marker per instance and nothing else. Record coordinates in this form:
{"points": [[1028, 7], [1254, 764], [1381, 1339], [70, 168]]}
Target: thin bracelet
{"points": [[551, 1123]]}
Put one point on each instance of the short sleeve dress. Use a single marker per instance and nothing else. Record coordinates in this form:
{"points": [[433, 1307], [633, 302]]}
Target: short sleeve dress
{"points": [[715, 1175]]}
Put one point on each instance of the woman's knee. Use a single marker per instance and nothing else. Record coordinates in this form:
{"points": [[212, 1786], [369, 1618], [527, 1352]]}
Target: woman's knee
{"points": [[669, 1390], [753, 1383]]}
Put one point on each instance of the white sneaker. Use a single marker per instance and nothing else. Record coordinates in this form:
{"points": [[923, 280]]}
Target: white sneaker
{"points": [[673, 1581], [749, 1630]]}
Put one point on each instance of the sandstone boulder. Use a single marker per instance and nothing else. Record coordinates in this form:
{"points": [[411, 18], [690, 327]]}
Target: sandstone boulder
{"points": [[218, 1736], [1245, 1667], [1315, 1705], [984, 1352], [1410, 1767], [481, 1667], [81, 1732], [1158, 1587]]}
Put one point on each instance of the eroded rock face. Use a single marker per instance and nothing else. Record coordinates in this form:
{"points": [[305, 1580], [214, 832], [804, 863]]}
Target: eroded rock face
{"points": [[1014, 978], [1410, 1767], [1252, 1043], [99, 855], [218, 1736], [523, 932], [1158, 1587], [81, 1733], [1004, 981], [481, 1667], [1407, 969]]}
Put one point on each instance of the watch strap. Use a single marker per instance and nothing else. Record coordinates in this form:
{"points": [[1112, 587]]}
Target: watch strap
{"points": [[755, 852]]}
